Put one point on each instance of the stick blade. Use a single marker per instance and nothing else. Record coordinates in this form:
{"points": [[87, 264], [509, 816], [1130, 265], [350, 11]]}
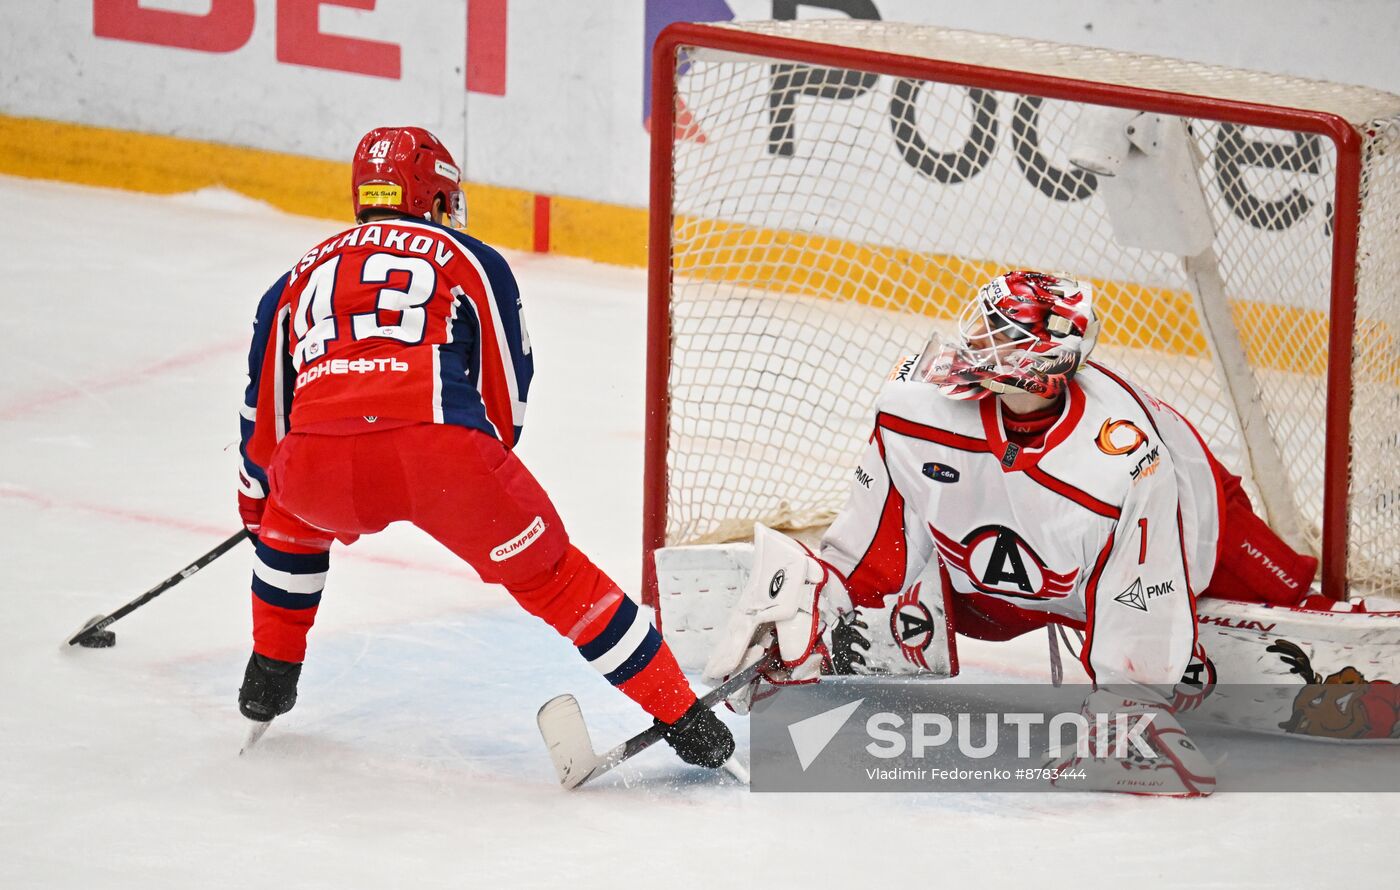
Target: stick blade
{"points": [[736, 768], [566, 736], [101, 639], [255, 732]]}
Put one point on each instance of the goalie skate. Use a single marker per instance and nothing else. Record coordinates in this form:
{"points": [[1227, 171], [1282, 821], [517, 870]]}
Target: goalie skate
{"points": [[1143, 751]]}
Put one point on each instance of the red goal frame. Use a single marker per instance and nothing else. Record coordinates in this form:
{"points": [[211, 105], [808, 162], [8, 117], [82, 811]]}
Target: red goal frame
{"points": [[1337, 447]]}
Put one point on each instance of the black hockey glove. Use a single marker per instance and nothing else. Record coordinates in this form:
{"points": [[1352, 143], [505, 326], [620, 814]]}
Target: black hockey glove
{"points": [[849, 643], [700, 738], [269, 688]]}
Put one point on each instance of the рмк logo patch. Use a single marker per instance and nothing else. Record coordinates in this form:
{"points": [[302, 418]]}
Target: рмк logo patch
{"points": [[1133, 596]]}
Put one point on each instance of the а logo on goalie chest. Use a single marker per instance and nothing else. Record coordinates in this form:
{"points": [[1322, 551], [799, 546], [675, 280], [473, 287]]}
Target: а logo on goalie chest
{"points": [[994, 559]]}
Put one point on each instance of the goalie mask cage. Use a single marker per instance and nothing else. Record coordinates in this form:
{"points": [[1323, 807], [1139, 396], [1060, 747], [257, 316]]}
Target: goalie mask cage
{"points": [[826, 194]]}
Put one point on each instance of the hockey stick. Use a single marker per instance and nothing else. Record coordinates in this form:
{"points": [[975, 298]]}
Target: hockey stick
{"points": [[570, 747], [93, 634]]}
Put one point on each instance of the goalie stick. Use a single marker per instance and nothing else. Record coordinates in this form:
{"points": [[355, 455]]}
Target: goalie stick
{"points": [[94, 635], [571, 748]]}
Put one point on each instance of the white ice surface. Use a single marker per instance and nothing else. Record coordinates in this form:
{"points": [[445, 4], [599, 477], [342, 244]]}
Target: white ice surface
{"points": [[412, 758]]}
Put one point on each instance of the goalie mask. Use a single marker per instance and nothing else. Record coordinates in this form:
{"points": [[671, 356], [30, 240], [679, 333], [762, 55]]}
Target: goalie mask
{"points": [[1024, 331]]}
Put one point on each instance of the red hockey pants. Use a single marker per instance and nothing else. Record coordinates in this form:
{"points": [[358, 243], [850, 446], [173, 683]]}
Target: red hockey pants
{"points": [[478, 500]]}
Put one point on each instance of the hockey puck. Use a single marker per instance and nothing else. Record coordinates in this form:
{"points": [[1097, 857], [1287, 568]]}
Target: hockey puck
{"points": [[102, 639]]}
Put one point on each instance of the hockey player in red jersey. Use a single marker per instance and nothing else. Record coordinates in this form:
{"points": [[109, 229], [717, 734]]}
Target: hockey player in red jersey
{"points": [[1013, 483], [388, 378]]}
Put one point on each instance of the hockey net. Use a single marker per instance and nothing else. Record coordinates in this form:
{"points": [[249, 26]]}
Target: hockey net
{"points": [[828, 193]]}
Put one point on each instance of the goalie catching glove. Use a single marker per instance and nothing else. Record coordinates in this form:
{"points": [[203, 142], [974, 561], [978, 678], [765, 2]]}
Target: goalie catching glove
{"points": [[909, 634], [787, 603]]}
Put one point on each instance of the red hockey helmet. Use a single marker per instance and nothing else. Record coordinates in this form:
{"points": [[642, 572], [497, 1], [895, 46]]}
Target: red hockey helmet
{"points": [[1025, 331], [406, 169]]}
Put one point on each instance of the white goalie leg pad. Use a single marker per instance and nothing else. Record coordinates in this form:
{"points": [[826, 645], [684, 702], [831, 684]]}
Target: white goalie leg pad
{"points": [[697, 587], [1134, 746], [1272, 664], [785, 596]]}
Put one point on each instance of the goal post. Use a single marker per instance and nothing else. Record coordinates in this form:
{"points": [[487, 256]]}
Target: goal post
{"points": [[825, 194]]}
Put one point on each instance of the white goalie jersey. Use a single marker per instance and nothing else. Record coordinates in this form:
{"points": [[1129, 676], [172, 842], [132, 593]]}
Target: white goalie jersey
{"points": [[1112, 526]]}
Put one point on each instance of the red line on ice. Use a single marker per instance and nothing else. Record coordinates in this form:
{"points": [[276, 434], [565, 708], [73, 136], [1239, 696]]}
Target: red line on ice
{"points": [[44, 502], [68, 392]]}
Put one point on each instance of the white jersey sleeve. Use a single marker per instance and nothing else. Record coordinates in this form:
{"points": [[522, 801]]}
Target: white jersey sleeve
{"points": [[879, 542], [1140, 615]]}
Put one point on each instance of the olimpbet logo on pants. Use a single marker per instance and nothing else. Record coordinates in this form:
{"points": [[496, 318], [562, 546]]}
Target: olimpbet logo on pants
{"points": [[520, 541]]}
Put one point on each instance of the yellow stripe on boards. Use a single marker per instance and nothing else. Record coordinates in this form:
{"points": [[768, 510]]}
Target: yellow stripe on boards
{"points": [[502, 217], [165, 165], [144, 162], [789, 262], [607, 233], [1283, 338]]}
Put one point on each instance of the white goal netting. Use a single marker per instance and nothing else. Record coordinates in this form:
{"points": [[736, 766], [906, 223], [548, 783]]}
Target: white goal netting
{"points": [[826, 218]]}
